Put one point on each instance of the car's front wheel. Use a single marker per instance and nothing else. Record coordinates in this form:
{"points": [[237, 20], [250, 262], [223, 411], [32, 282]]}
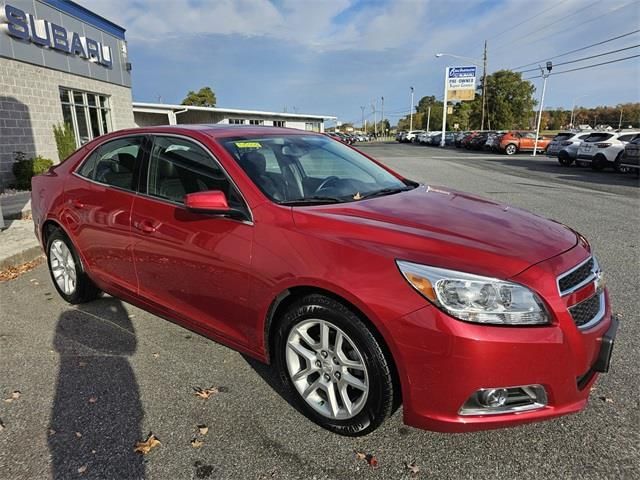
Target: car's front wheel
{"points": [[564, 159], [334, 367], [67, 273]]}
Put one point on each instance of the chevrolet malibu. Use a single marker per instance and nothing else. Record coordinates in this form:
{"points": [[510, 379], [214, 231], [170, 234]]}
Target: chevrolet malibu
{"points": [[364, 289]]}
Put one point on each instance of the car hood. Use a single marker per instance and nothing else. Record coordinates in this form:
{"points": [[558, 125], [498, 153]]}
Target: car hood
{"points": [[442, 227]]}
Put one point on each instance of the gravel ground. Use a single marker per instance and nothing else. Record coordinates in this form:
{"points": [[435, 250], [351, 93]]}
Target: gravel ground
{"points": [[95, 379]]}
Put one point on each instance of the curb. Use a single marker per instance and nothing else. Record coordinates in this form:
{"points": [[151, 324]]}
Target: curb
{"points": [[25, 256]]}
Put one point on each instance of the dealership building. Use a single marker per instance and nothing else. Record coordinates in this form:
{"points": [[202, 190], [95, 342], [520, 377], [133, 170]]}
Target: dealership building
{"points": [[60, 64]]}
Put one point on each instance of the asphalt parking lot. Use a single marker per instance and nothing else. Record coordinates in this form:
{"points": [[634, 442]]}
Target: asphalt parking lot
{"points": [[96, 378]]}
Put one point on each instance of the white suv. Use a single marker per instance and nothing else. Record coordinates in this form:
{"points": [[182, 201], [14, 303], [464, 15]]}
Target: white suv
{"points": [[412, 135], [601, 149], [565, 146]]}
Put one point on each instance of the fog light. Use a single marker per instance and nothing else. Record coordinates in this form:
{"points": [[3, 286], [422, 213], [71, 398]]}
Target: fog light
{"points": [[494, 397], [497, 400]]}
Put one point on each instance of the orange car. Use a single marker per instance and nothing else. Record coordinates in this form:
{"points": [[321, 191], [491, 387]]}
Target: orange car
{"points": [[517, 141]]}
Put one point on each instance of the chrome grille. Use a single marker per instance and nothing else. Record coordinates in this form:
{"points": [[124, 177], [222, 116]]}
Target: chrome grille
{"points": [[577, 277], [588, 312]]}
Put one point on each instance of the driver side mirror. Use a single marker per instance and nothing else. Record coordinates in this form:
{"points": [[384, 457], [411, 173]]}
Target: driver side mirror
{"points": [[213, 202]]}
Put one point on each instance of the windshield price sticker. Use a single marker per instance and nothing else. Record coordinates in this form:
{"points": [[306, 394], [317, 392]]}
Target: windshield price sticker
{"points": [[248, 145]]}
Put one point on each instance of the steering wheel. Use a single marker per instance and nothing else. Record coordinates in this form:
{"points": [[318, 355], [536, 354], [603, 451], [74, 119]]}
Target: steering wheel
{"points": [[327, 181]]}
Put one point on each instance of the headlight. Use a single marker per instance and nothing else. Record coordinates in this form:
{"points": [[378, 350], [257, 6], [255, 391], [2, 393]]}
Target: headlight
{"points": [[474, 298]]}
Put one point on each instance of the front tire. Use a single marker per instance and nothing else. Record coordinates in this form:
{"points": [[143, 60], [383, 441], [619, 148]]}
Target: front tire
{"points": [[333, 367], [599, 163], [67, 273]]}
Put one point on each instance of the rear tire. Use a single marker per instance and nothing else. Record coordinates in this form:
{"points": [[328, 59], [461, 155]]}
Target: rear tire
{"points": [[345, 386], [564, 159], [66, 270], [510, 149], [598, 163], [618, 167]]}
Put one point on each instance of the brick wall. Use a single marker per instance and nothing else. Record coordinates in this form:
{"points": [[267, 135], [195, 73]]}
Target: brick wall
{"points": [[30, 106]]}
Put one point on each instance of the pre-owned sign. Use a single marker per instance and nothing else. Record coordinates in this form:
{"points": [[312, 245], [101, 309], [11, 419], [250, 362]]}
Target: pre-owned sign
{"points": [[461, 83], [26, 27]]}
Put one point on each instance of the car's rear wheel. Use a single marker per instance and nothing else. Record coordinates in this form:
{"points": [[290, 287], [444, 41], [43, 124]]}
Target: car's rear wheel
{"points": [[599, 162], [564, 159], [510, 149], [333, 366], [67, 273]]}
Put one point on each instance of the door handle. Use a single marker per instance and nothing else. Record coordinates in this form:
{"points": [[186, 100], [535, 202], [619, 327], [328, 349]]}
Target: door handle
{"points": [[145, 226]]}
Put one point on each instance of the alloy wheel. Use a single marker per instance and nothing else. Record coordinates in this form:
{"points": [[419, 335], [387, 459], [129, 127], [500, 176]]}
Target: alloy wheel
{"points": [[327, 369], [63, 267]]}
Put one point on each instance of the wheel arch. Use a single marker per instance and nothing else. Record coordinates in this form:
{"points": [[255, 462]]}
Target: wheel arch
{"points": [[287, 297]]}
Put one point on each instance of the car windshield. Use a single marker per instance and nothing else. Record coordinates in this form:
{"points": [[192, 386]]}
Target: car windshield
{"points": [[308, 169]]}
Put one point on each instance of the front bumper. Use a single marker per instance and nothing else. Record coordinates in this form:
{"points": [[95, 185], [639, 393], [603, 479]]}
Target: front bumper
{"points": [[444, 361]]}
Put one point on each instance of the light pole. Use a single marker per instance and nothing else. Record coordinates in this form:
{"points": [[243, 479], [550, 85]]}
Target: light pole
{"points": [[362, 124], [573, 108], [477, 63], [411, 111], [382, 115], [375, 120], [544, 87], [428, 117], [620, 121], [444, 108]]}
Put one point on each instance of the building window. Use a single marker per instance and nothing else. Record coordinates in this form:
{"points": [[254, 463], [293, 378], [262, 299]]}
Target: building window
{"points": [[256, 122], [236, 121], [279, 123], [312, 126], [89, 114]]}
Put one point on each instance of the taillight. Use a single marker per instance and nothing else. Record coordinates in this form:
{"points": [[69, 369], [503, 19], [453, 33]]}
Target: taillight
{"points": [[603, 145], [566, 144]]}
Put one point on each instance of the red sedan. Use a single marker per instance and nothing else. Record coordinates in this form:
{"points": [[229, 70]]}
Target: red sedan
{"points": [[364, 289]]}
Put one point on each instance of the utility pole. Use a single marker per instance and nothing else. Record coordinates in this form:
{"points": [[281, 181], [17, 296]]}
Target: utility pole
{"points": [[382, 116], [484, 84], [544, 88], [428, 117], [620, 121], [411, 112], [362, 124], [375, 119]]}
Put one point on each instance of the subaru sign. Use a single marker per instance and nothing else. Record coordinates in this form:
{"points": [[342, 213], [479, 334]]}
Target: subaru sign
{"points": [[25, 27]]}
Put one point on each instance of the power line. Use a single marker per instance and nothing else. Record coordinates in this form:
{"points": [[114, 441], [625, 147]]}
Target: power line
{"points": [[578, 49], [588, 66], [549, 25], [527, 20], [586, 58]]}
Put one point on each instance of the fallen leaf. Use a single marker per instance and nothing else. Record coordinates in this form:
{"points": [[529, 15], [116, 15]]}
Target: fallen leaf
{"points": [[361, 455], [413, 468], [208, 392], [15, 272], [15, 395], [82, 469], [146, 446], [1, 426], [372, 460], [195, 443], [93, 399], [52, 431], [606, 399], [203, 429], [78, 434], [156, 355]]}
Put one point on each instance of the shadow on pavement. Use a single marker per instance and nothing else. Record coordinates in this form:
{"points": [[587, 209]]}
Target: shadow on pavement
{"points": [[97, 412]]}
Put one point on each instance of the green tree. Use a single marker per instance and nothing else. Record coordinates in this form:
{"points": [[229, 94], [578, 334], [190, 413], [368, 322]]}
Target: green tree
{"points": [[205, 97], [509, 101]]}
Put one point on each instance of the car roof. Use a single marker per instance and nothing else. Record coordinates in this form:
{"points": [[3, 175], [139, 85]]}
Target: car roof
{"points": [[218, 130]]}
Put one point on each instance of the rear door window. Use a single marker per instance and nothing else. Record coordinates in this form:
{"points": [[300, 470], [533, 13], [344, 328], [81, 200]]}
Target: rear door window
{"points": [[115, 163], [598, 137]]}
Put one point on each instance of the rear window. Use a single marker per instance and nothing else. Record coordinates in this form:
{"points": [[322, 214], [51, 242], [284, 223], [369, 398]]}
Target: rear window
{"points": [[563, 136], [598, 137], [626, 138]]}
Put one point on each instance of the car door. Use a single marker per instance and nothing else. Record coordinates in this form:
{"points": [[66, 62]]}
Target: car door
{"points": [[99, 196], [526, 141], [193, 265]]}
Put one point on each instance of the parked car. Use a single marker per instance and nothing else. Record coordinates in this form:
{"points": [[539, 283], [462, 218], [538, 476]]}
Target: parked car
{"points": [[602, 149], [517, 141], [459, 137], [363, 288], [493, 141], [410, 136], [565, 145], [464, 143], [400, 136], [630, 158], [478, 141]]}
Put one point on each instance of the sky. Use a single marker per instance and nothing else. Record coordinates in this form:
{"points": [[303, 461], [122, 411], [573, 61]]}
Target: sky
{"points": [[333, 57]]}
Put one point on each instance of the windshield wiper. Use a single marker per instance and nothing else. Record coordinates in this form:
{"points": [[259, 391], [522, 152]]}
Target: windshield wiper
{"points": [[385, 191], [312, 200]]}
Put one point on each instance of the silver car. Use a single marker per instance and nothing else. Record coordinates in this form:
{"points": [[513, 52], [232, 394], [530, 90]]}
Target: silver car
{"points": [[565, 146]]}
